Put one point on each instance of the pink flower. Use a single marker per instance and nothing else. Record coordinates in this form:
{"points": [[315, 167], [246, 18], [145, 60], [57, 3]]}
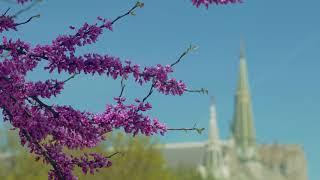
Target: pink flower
{"points": [[198, 3], [7, 23], [22, 1], [68, 128]]}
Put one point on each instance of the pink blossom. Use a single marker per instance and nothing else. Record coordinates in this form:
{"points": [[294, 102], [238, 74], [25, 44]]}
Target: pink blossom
{"points": [[6, 23], [48, 129], [22, 1], [206, 3], [70, 128]]}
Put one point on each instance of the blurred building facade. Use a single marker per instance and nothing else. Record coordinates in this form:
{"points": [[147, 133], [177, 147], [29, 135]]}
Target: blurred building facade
{"points": [[239, 157]]}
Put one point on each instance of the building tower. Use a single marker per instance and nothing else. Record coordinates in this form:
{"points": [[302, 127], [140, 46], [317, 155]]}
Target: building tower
{"points": [[213, 126], [243, 130], [213, 159]]}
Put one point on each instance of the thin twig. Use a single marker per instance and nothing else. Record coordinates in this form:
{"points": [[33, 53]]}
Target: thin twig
{"points": [[42, 104], [6, 12], [202, 90], [138, 4], [150, 92], [27, 8], [113, 154], [122, 87], [71, 77], [31, 102], [188, 50], [199, 130], [25, 22]]}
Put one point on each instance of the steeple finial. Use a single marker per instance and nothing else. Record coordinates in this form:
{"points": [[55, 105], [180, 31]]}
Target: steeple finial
{"points": [[242, 50], [212, 100]]}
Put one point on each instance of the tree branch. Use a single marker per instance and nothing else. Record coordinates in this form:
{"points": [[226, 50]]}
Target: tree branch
{"points": [[43, 151], [202, 90], [113, 154], [6, 12], [71, 77], [199, 130], [46, 155], [188, 50], [150, 92], [27, 8], [25, 22], [122, 87], [42, 104], [138, 4]]}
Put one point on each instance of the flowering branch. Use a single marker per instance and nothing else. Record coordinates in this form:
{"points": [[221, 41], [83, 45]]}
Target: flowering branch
{"points": [[40, 149], [26, 8], [206, 3], [188, 50], [49, 130], [47, 156], [42, 104]]}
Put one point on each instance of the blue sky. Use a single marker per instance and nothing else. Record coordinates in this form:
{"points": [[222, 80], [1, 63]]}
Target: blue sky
{"points": [[282, 49]]}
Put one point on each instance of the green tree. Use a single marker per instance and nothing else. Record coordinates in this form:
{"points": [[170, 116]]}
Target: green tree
{"points": [[136, 158], [16, 162]]}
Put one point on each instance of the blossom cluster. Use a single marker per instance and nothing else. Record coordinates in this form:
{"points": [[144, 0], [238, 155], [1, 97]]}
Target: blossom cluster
{"points": [[206, 3], [22, 1], [6, 23], [197, 3], [49, 130]]}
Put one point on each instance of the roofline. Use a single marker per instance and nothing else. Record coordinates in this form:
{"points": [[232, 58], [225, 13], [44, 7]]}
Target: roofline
{"points": [[184, 145]]}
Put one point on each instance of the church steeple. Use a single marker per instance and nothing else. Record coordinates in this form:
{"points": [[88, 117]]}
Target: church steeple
{"points": [[213, 127], [243, 127], [213, 158]]}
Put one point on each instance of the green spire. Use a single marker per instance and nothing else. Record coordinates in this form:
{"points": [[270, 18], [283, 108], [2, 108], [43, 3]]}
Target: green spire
{"points": [[243, 127]]}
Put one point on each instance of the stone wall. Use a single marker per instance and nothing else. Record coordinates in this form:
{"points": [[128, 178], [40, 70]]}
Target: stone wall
{"points": [[273, 162]]}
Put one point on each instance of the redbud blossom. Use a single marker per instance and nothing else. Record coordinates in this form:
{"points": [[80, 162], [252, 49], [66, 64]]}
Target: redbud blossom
{"points": [[48, 130], [198, 3]]}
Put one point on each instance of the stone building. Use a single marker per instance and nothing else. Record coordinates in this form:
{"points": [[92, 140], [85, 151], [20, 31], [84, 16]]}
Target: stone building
{"points": [[239, 157]]}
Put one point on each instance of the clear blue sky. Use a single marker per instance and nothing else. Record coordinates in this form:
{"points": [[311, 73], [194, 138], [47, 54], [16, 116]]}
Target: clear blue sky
{"points": [[282, 48]]}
